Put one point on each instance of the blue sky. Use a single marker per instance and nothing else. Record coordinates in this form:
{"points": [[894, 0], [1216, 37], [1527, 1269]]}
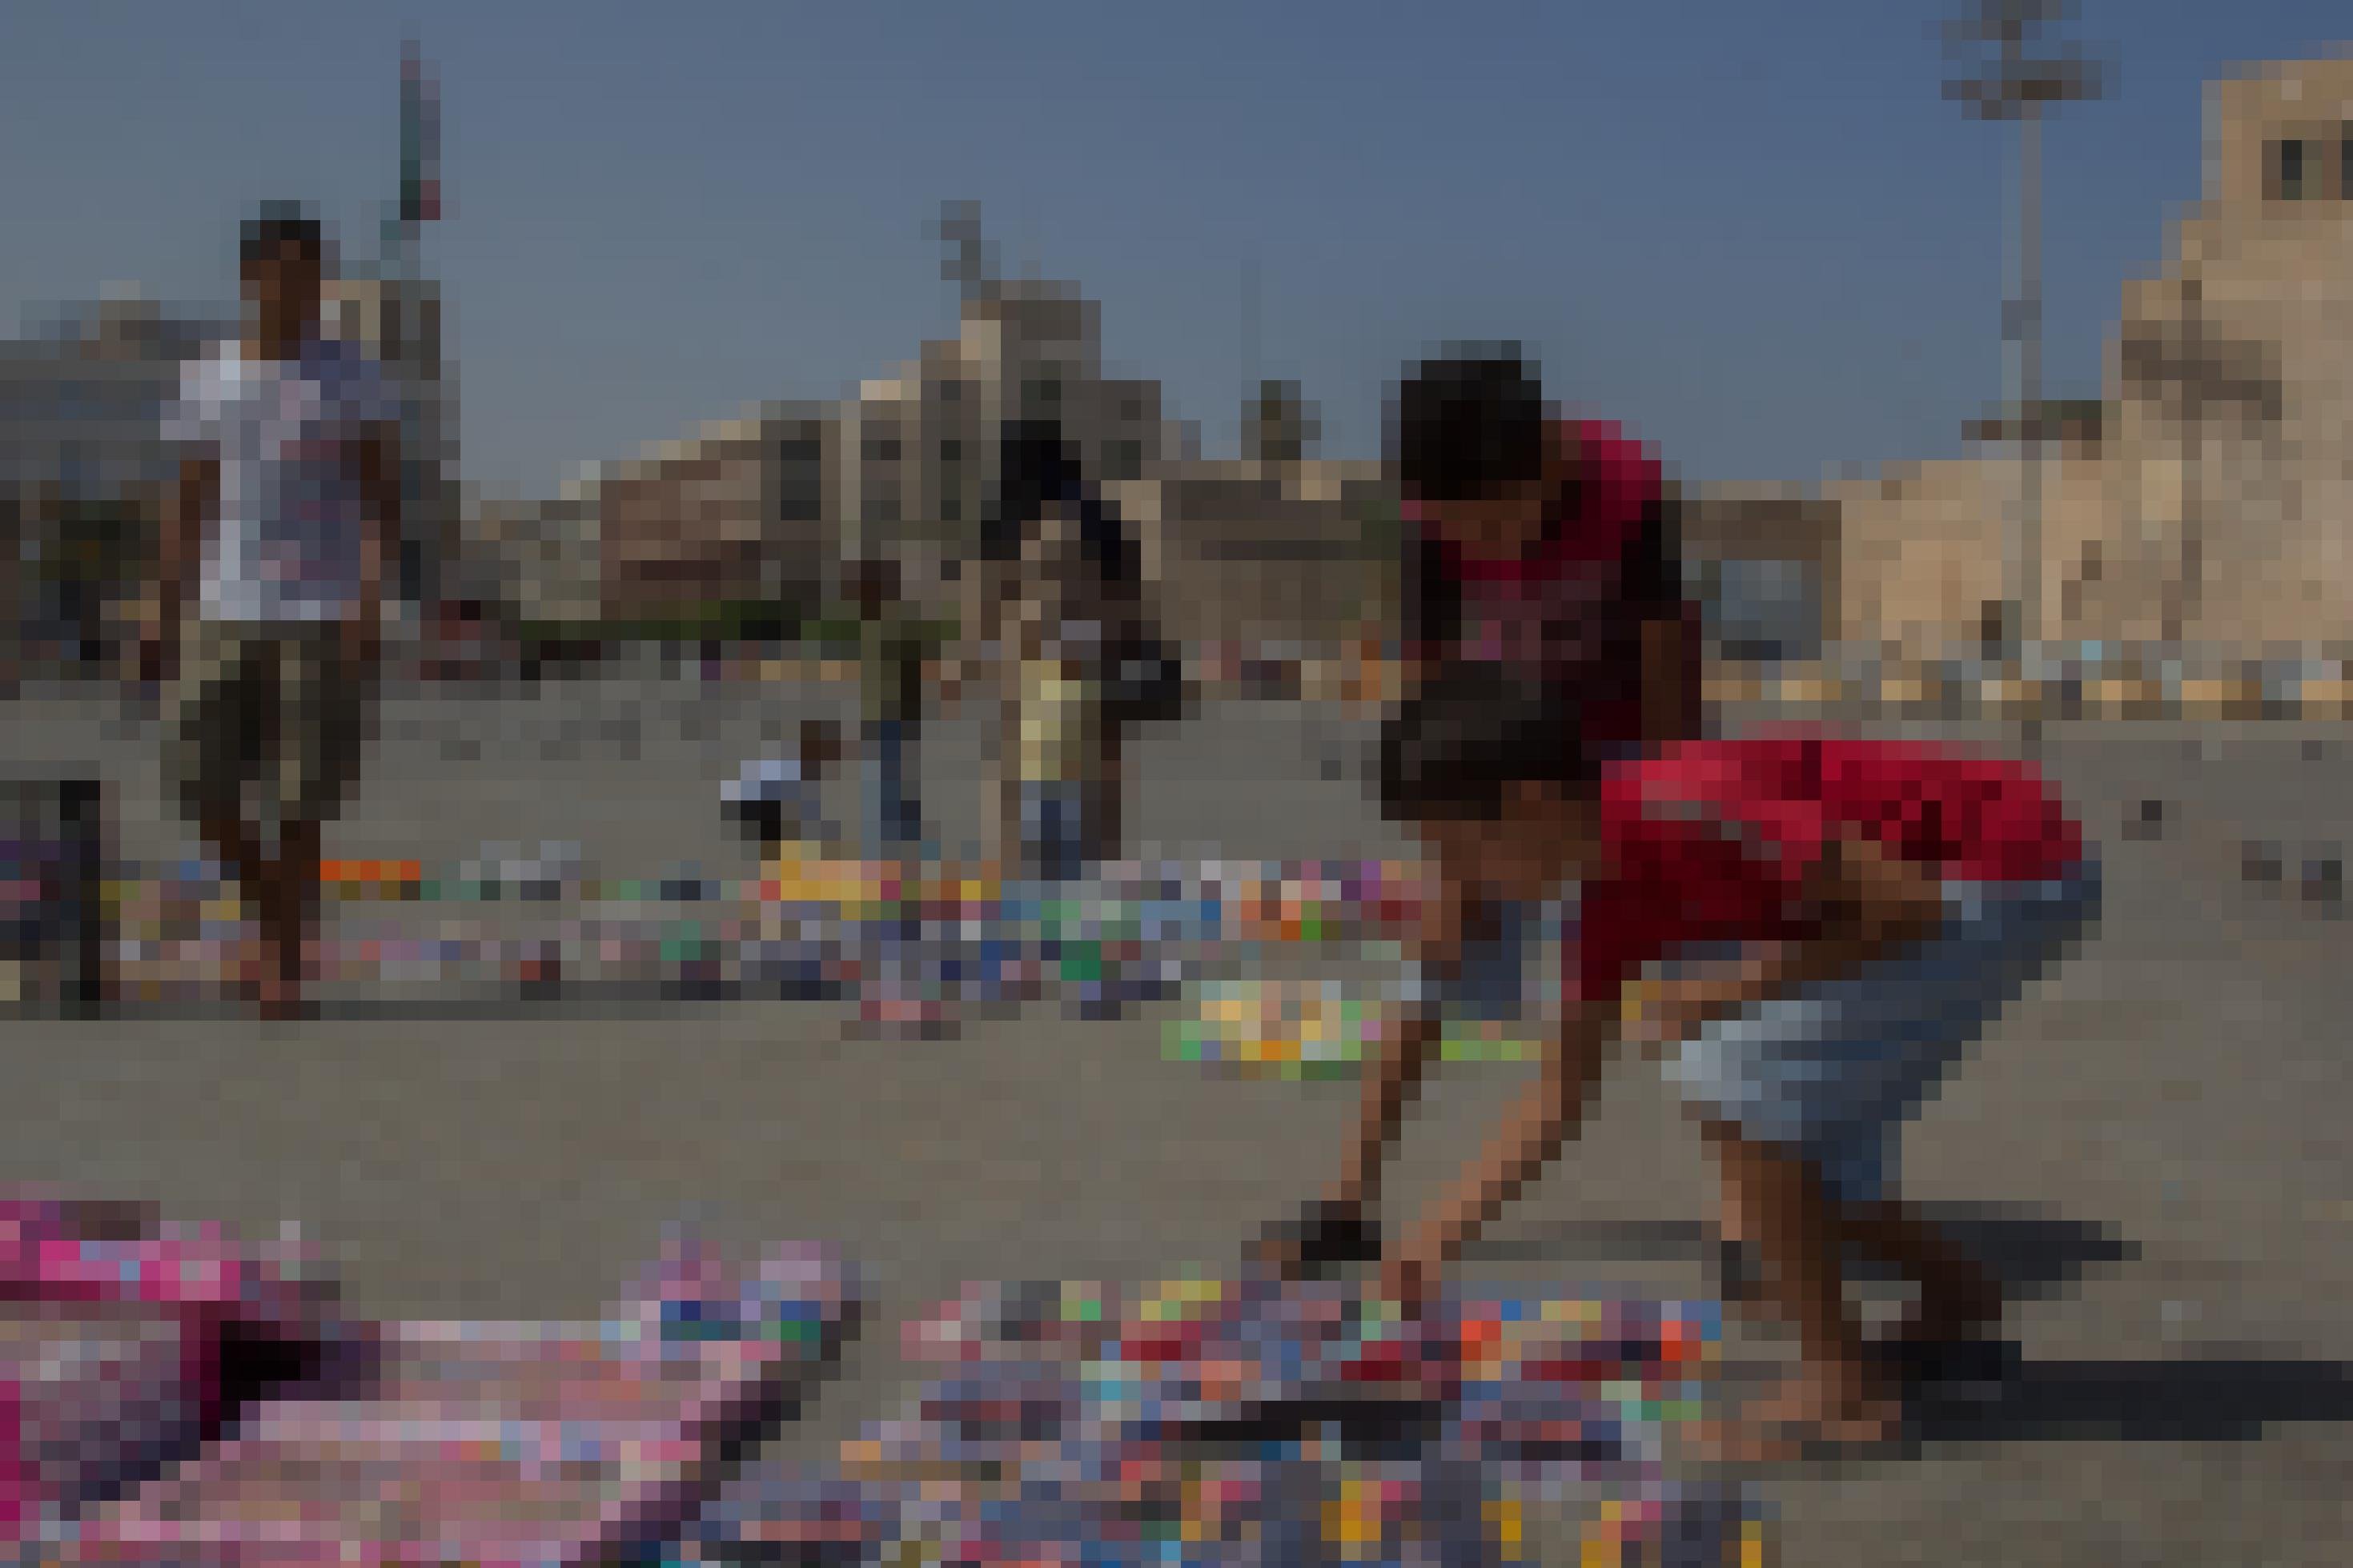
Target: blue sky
{"points": [[1755, 232]]}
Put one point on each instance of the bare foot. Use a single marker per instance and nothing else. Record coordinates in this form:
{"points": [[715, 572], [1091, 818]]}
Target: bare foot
{"points": [[1804, 1415], [280, 997], [247, 962]]}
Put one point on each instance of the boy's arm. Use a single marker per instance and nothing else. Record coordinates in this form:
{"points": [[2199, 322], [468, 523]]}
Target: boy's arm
{"points": [[1547, 1113], [189, 508], [1429, 608], [379, 477], [1669, 652], [1869, 902], [186, 510], [1668, 712]]}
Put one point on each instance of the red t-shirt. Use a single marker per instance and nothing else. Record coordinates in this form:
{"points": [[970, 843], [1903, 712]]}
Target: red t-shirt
{"points": [[1569, 610], [1710, 841]]}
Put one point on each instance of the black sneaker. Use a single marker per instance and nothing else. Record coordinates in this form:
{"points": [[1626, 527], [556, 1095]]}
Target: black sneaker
{"points": [[1318, 1240]]}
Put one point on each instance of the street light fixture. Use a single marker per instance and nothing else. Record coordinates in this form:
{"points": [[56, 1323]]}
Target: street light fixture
{"points": [[2000, 76]]}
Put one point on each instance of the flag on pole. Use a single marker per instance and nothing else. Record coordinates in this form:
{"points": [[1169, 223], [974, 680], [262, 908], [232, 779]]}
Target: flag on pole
{"points": [[420, 141]]}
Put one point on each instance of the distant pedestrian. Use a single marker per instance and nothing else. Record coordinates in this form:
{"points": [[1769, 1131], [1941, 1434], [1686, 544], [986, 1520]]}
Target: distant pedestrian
{"points": [[283, 518], [892, 649], [776, 798], [1058, 596]]}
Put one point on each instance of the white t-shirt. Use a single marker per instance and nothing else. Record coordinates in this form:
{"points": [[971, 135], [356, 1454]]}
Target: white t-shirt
{"points": [[287, 545]]}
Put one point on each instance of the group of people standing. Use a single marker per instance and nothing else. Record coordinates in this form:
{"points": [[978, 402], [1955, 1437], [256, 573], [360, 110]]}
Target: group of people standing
{"points": [[1055, 623], [280, 538]]}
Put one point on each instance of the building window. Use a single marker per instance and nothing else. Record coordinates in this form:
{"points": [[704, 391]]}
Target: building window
{"points": [[883, 450], [2291, 170], [951, 451], [951, 509], [2345, 164], [800, 500], [952, 391], [801, 449]]}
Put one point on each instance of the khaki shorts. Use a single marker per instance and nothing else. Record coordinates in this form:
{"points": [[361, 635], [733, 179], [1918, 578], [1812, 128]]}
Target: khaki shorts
{"points": [[281, 708]]}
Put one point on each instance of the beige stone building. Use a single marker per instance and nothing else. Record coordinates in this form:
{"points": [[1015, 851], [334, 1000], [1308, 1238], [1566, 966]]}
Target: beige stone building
{"points": [[2210, 505], [763, 505]]}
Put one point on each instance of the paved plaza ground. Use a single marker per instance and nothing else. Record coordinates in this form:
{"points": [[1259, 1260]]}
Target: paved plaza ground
{"points": [[2152, 1145]]}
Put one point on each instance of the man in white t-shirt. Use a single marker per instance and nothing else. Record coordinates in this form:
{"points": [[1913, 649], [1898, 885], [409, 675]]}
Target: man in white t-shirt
{"points": [[283, 522]]}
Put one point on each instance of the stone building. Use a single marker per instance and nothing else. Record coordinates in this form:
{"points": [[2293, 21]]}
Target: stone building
{"points": [[2209, 503], [763, 505]]}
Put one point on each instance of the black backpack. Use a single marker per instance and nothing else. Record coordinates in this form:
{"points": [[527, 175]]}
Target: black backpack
{"points": [[1146, 681]]}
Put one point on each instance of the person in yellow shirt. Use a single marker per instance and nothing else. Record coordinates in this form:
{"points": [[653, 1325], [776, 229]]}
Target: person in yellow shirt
{"points": [[1058, 739]]}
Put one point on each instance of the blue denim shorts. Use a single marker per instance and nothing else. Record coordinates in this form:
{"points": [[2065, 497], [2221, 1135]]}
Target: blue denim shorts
{"points": [[1491, 983], [1835, 1071]]}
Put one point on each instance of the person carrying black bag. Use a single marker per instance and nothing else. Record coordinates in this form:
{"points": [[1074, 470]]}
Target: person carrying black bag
{"points": [[1059, 594]]}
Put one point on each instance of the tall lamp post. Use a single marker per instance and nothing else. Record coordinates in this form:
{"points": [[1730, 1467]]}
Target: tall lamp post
{"points": [[1999, 76]]}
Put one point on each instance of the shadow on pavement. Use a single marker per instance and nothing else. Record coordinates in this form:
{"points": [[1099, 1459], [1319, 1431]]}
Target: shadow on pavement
{"points": [[2222, 1399], [2029, 1250]]}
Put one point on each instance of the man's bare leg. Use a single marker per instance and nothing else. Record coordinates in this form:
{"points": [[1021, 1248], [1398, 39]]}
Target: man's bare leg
{"points": [[293, 882], [1957, 1297], [1836, 1395], [237, 847]]}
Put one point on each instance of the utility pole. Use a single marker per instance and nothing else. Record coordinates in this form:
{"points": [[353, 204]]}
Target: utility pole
{"points": [[1998, 77], [428, 529], [1250, 344]]}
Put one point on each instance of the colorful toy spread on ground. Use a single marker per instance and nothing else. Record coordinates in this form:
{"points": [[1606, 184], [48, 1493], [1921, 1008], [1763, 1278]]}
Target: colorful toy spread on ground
{"points": [[911, 944], [1216, 1422], [1204, 1422]]}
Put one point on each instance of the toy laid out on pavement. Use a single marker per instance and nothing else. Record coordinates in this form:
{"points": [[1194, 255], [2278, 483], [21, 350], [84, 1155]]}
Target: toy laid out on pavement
{"points": [[930, 938], [408, 1443], [1318, 1029], [1242, 1422]]}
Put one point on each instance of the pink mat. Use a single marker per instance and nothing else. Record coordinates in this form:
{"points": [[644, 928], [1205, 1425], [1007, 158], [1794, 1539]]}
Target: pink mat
{"points": [[495, 1445], [112, 1326], [503, 1446]]}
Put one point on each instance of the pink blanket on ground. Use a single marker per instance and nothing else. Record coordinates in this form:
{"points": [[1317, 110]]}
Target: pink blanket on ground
{"points": [[489, 1447], [112, 1329], [505, 1445]]}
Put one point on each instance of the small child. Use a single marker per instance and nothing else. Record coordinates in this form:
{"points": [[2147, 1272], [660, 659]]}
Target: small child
{"points": [[777, 800], [1845, 916], [1059, 741]]}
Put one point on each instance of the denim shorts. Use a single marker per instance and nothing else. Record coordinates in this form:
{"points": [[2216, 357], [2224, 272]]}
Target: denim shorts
{"points": [[1491, 983], [1834, 1071]]}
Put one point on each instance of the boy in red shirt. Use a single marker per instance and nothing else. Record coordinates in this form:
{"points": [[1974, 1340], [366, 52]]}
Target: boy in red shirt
{"points": [[1547, 546], [1547, 549], [1843, 917]]}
